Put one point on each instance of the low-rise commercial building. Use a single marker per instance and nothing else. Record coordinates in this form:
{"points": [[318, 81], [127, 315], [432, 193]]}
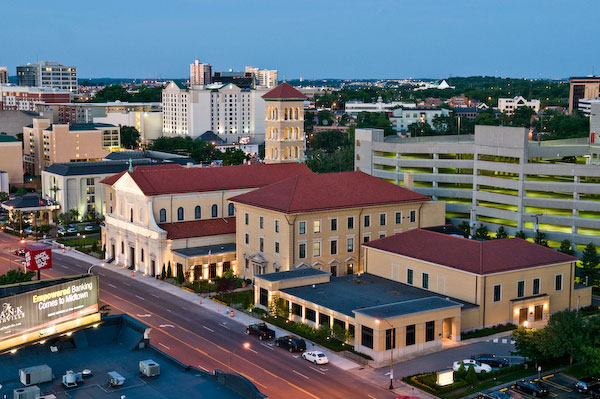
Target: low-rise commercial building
{"points": [[509, 105], [402, 117], [581, 88], [23, 98], [11, 159], [355, 107]]}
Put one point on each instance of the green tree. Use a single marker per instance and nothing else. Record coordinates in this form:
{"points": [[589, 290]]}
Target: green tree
{"points": [[74, 214], [130, 137], [16, 276], [163, 273], [234, 157], [501, 233], [521, 234], [325, 118], [180, 277], [4, 196], [169, 270], [566, 247], [590, 274], [482, 232], [526, 343], [328, 141], [471, 376], [522, 117], [279, 307], [444, 124], [540, 238], [418, 129], [375, 120], [112, 93], [461, 373], [590, 350], [563, 335], [487, 117], [464, 226]]}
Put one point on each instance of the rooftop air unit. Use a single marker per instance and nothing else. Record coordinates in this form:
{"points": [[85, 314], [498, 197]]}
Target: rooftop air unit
{"points": [[149, 368], [31, 392], [35, 375]]}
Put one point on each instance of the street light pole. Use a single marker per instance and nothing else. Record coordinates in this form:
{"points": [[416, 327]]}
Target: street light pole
{"points": [[94, 265], [391, 352]]}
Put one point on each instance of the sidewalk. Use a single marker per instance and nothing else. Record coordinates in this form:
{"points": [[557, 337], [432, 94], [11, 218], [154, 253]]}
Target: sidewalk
{"points": [[192, 297]]}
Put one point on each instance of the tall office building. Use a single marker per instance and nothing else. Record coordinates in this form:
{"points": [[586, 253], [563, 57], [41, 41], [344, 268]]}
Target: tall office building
{"points": [[49, 74], [200, 74], [265, 78], [3, 75], [583, 87]]}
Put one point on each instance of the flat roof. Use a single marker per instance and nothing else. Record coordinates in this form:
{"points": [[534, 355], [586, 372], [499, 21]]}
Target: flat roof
{"points": [[94, 167], [19, 288], [408, 307], [203, 250], [113, 346], [351, 293], [288, 275]]}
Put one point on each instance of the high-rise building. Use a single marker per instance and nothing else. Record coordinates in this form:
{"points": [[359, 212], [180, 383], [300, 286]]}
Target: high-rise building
{"points": [[243, 80], [265, 78], [284, 115], [583, 87], [48, 73], [200, 74], [3, 75]]}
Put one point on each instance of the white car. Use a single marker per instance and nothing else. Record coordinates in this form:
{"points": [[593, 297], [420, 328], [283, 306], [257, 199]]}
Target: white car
{"points": [[479, 367], [316, 357]]}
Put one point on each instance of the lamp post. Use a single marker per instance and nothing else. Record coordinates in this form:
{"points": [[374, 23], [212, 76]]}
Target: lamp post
{"points": [[94, 265], [245, 345], [377, 321]]}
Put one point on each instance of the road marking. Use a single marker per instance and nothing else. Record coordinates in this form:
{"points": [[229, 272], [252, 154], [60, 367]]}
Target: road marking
{"points": [[371, 396], [112, 285], [184, 308], [267, 346], [166, 325], [318, 371], [504, 341], [547, 376], [155, 296], [143, 315], [300, 374], [169, 310], [100, 274], [129, 285], [209, 329], [63, 266], [495, 340], [224, 326], [512, 342], [557, 385], [163, 345], [200, 367], [139, 297], [252, 350]]}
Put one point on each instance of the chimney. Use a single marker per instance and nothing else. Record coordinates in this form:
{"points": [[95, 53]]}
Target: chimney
{"points": [[409, 181]]}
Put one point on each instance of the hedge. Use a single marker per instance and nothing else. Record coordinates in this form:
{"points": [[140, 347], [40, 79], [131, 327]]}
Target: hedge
{"points": [[484, 332]]}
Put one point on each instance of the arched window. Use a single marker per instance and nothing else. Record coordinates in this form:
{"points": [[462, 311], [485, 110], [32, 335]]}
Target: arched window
{"points": [[180, 213], [285, 117], [162, 215], [296, 113], [214, 210], [275, 114], [286, 133], [230, 209], [131, 215], [197, 212]]}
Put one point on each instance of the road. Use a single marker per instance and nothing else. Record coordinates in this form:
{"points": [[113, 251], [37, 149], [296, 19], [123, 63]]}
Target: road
{"points": [[201, 338]]}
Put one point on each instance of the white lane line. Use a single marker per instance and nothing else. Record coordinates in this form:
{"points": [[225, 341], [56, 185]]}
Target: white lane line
{"points": [[129, 285], [139, 297], [512, 342], [504, 341], [268, 347], [184, 308], [371, 396], [300, 374], [202, 368], [63, 266], [169, 310], [155, 296], [112, 285], [252, 350], [100, 274], [209, 329], [318, 371], [224, 326], [495, 340], [163, 345]]}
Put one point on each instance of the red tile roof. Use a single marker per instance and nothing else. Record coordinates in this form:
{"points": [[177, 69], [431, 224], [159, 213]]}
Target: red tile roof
{"points": [[154, 180], [479, 257], [110, 180], [199, 228], [285, 91], [316, 192]]}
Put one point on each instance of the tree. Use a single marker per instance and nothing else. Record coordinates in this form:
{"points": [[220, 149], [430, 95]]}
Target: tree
{"points": [[180, 277], [112, 93], [526, 343], [4, 196], [130, 137], [278, 307], [522, 116], [461, 373], [163, 273], [233, 156], [226, 282], [501, 233], [104, 310], [590, 274], [590, 350], [420, 129], [563, 335], [375, 120], [521, 234], [169, 270], [325, 118], [540, 238], [464, 226], [566, 247], [16, 276], [487, 118], [471, 376], [74, 214], [482, 232], [328, 141]]}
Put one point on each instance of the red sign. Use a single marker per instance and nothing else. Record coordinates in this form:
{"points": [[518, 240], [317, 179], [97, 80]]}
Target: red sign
{"points": [[38, 257], [592, 137]]}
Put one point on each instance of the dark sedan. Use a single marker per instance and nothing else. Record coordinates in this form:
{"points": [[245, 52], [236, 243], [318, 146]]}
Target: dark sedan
{"points": [[292, 344], [531, 387], [492, 360]]}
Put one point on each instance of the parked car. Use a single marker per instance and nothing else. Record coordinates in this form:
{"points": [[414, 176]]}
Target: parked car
{"points": [[479, 367], [492, 360], [89, 227], [293, 344], [20, 252], [62, 231], [72, 229], [587, 384], [316, 357], [261, 330], [499, 395], [534, 388], [28, 231]]}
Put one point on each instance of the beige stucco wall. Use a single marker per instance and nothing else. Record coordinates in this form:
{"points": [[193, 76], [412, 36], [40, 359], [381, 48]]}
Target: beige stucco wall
{"points": [[284, 135], [11, 161]]}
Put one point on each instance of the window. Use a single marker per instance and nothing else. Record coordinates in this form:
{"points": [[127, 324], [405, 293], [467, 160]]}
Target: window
{"points": [[333, 224], [261, 244], [214, 211], [276, 247], [264, 297], [558, 282], [180, 213], [382, 218], [340, 323], [246, 263], [333, 247], [302, 228], [317, 248], [398, 217], [131, 215], [382, 235], [277, 226], [247, 238], [350, 244], [497, 293], [197, 212], [246, 219], [390, 338], [324, 319], [261, 222], [366, 337], [410, 335], [536, 286], [162, 216], [366, 238], [409, 276], [429, 331], [122, 247], [317, 226], [413, 216], [367, 220], [302, 251], [310, 314], [296, 309], [350, 222], [230, 210], [520, 289], [425, 281]]}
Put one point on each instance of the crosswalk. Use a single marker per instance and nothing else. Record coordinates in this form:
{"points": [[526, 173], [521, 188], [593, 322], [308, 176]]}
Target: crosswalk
{"points": [[501, 341]]}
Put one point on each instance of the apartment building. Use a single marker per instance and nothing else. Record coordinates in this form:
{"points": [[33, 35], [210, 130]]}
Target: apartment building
{"points": [[582, 87], [48, 74], [509, 105], [355, 107], [86, 112], [23, 98], [320, 220], [402, 117], [11, 159], [496, 178], [3, 75], [266, 78], [46, 143], [200, 74]]}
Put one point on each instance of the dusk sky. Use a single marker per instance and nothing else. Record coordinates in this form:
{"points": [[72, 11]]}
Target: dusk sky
{"points": [[310, 39]]}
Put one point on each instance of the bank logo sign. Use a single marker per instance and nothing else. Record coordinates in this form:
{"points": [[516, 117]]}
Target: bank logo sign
{"points": [[8, 313]]}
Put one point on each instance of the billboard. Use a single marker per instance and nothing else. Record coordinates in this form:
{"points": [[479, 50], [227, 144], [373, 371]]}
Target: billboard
{"points": [[38, 257], [39, 311]]}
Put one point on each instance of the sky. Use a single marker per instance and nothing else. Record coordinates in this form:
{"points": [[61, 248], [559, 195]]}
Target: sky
{"points": [[345, 39]]}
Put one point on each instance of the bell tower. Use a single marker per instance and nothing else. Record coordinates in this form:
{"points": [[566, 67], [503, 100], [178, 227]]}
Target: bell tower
{"points": [[284, 123]]}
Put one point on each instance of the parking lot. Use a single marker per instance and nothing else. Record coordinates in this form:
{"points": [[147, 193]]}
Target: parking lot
{"points": [[560, 386]]}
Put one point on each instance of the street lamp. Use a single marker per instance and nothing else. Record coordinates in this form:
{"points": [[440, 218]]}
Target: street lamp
{"points": [[94, 265], [377, 321], [245, 345]]}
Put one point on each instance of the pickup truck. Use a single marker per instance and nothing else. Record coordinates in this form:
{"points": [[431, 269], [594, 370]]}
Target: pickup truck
{"points": [[261, 330]]}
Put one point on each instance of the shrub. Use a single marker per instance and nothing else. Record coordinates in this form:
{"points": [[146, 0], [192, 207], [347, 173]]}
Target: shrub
{"points": [[169, 271], [461, 373], [471, 376]]}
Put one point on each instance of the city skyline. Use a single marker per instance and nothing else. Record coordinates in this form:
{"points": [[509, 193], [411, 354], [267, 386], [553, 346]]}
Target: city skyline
{"points": [[335, 40]]}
